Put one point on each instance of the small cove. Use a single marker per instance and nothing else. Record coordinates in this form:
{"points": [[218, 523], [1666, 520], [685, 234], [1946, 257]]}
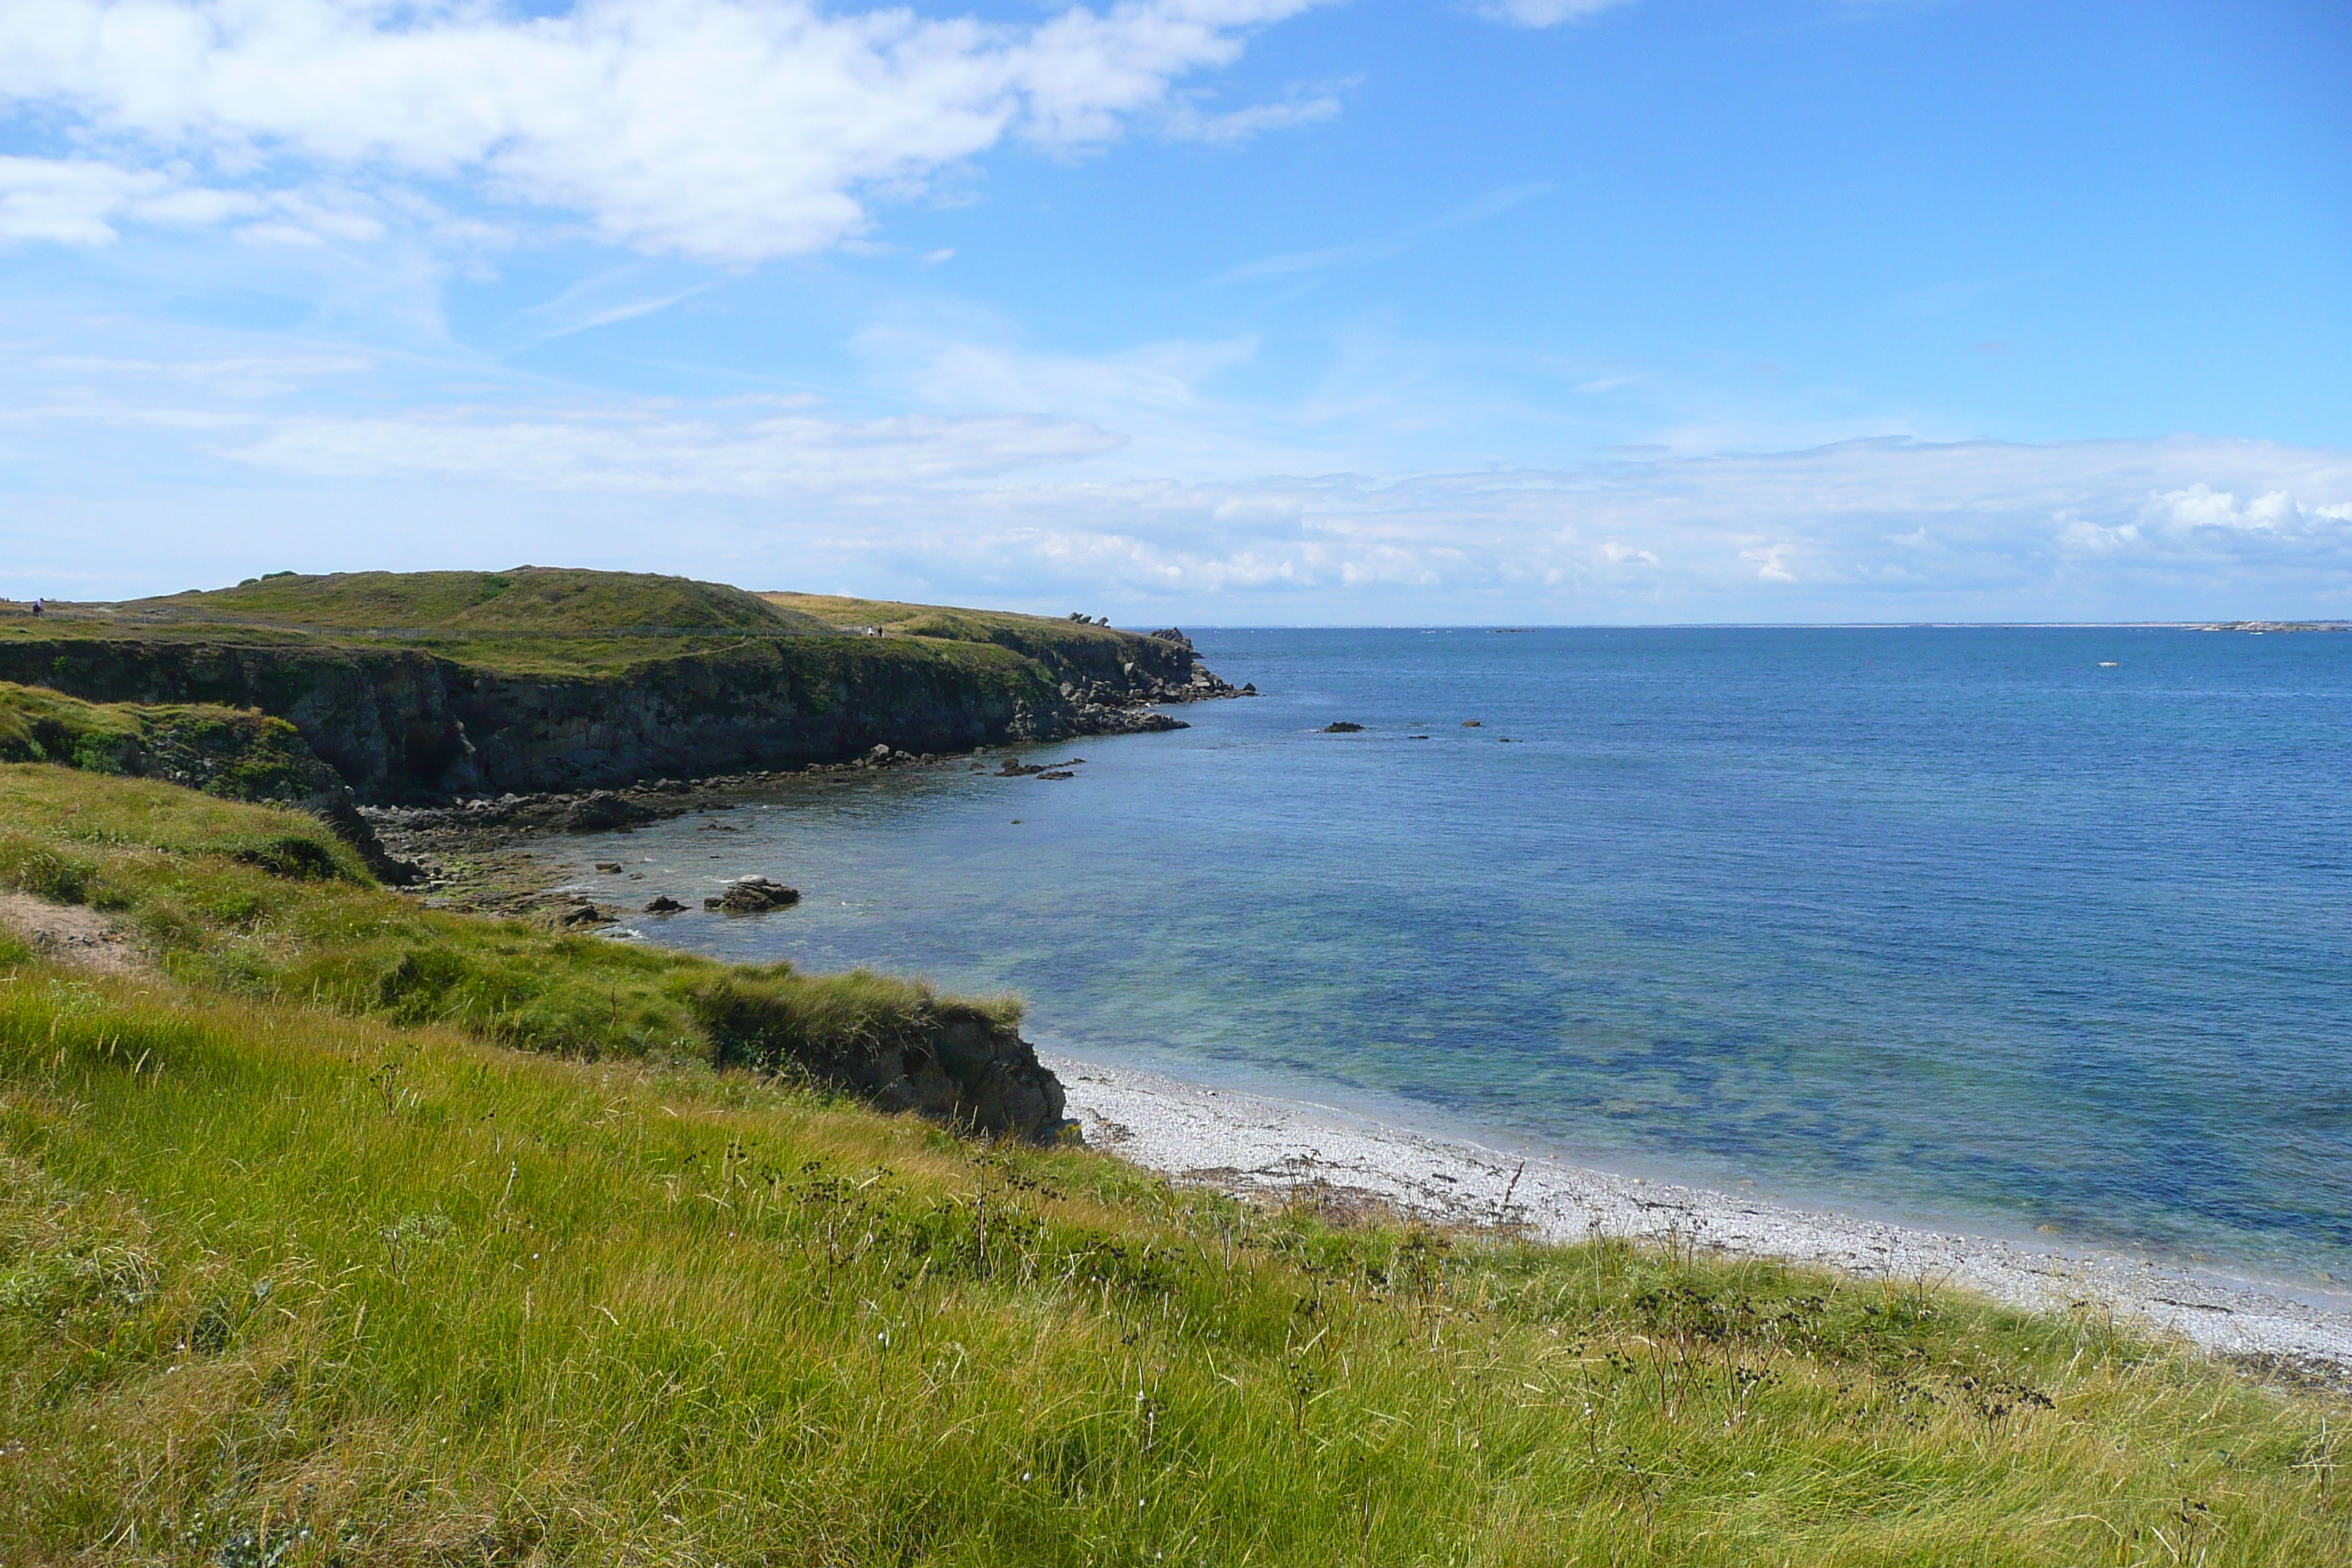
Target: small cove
{"points": [[2040, 929]]}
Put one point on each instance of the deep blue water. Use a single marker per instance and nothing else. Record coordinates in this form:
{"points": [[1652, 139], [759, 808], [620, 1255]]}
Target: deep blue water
{"points": [[1948, 923]]}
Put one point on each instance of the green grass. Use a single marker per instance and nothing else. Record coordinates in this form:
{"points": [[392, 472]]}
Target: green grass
{"points": [[550, 620], [291, 1283], [234, 753], [534, 599], [1053, 640]]}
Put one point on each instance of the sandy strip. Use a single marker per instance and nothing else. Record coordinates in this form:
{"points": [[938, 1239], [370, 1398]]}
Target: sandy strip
{"points": [[1244, 1144]]}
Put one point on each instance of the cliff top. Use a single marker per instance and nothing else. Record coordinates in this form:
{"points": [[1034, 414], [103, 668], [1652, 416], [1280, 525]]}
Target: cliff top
{"points": [[540, 600], [544, 618], [948, 623]]}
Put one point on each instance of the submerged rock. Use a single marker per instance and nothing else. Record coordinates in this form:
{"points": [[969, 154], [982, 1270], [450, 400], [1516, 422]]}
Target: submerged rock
{"points": [[1341, 727]]}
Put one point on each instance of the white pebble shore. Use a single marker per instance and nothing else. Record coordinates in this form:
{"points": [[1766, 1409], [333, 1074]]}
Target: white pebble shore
{"points": [[1248, 1145]]}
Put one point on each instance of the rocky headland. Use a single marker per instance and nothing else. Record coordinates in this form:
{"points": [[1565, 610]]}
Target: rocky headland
{"points": [[438, 687]]}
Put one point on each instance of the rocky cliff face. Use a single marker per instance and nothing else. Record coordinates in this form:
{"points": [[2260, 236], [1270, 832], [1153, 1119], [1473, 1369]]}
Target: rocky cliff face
{"points": [[409, 724]]}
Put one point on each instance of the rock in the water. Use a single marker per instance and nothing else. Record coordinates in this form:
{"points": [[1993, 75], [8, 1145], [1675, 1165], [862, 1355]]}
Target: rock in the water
{"points": [[608, 866], [664, 905], [753, 895], [1341, 727]]}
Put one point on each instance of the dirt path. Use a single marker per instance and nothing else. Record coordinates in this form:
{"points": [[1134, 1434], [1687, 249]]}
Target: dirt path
{"points": [[70, 934]]}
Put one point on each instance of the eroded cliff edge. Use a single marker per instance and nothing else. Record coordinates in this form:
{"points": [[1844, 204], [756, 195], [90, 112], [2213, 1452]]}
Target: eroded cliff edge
{"points": [[425, 688]]}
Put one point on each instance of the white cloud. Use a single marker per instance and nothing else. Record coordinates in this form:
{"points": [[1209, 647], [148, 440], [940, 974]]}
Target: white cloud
{"points": [[79, 201], [1541, 12], [1038, 477], [1188, 121], [727, 130], [1869, 530], [946, 371]]}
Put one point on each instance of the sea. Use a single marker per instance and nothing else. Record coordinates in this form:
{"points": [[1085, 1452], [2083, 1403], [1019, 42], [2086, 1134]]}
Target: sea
{"points": [[2042, 931]]}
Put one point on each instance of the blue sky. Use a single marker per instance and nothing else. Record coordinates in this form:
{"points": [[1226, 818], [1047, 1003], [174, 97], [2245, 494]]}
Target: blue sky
{"points": [[1247, 312]]}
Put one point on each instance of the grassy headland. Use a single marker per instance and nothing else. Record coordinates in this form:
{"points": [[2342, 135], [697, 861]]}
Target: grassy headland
{"points": [[426, 686], [299, 1263]]}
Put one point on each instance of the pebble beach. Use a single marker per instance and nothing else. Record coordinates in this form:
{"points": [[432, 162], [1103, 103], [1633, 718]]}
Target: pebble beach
{"points": [[1254, 1146]]}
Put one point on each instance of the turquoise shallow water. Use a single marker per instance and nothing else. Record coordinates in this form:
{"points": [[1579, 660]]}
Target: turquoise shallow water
{"points": [[1960, 924]]}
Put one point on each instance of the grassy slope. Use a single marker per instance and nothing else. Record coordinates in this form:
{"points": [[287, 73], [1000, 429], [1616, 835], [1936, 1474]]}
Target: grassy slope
{"points": [[282, 1284], [549, 620], [1037, 636], [267, 904], [537, 599], [234, 753]]}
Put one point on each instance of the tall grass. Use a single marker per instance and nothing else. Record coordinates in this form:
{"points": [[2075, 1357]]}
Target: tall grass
{"points": [[298, 1264], [269, 904], [277, 1286]]}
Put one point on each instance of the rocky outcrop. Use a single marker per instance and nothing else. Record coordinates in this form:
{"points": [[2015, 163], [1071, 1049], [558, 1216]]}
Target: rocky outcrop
{"points": [[910, 1050], [753, 896]]}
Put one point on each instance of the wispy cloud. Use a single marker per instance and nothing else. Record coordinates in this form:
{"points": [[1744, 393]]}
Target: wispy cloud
{"points": [[1541, 12], [743, 449], [1377, 249], [1025, 504], [625, 312], [1188, 120]]}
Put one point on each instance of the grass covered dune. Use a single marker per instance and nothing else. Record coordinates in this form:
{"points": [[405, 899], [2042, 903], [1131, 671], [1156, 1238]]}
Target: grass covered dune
{"points": [[291, 1276]]}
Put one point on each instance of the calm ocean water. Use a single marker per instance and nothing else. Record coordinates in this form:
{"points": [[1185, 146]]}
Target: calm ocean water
{"points": [[2014, 927]]}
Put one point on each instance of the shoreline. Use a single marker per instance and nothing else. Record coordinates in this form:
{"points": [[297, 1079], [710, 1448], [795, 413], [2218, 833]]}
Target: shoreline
{"points": [[1253, 1146], [490, 859]]}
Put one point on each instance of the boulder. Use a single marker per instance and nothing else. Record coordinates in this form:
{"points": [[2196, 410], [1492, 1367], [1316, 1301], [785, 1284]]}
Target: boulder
{"points": [[664, 905], [1341, 727]]}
